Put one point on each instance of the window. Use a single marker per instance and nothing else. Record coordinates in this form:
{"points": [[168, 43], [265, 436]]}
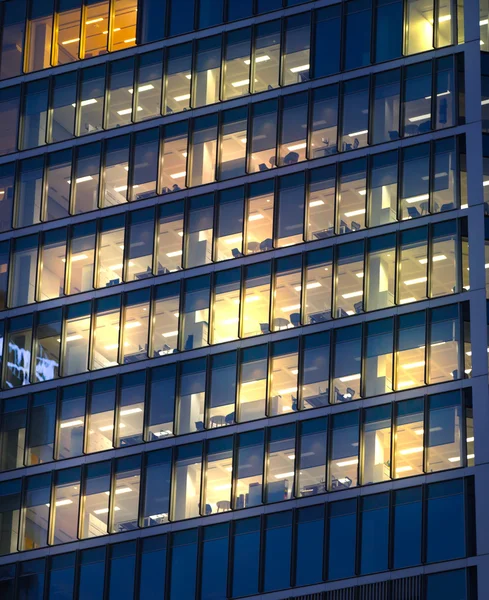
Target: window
{"points": [[419, 26], [87, 174], [47, 345], [214, 553], [34, 123], [229, 238], [116, 155], [160, 412], [262, 153], [165, 317], [10, 113], [352, 193], [382, 200], [444, 258], [31, 578], [58, 184], [110, 250], [280, 467], [253, 383], [105, 344], [266, 56], [342, 532], [316, 306], [4, 272], [181, 21], [323, 129], [246, 550], [312, 458], [413, 265], [186, 483], [149, 77], [417, 93], [144, 168], [64, 514], [415, 196], [134, 345], [95, 515], [287, 297], [97, 21], [13, 433], [310, 545], [122, 571], [12, 44], [343, 462], [91, 106], [183, 562], [381, 269], [232, 146], [174, 153], [278, 547], [218, 469], [449, 584], [203, 149], [125, 495], [327, 41], [290, 217], [407, 524], [92, 573], [349, 279], [315, 370], [170, 237], [52, 265], [236, 71], [191, 399], [130, 409], [207, 71], [376, 450], [256, 300], [445, 86], [347, 364], [389, 18], [259, 219], [386, 106], [37, 496], [156, 504], [320, 203], [283, 392], [29, 192], [195, 313], [409, 438], [444, 193], [411, 350], [19, 341], [374, 545], [225, 306], [379, 362], [357, 34], [152, 565], [355, 127], [199, 234], [121, 76], [249, 469], [139, 252], [68, 30], [62, 575], [101, 410], [39, 35], [63, 104], [296, 49], [178, 78], [76, 333], [7, 174], [71, 417], [10, 494], [444, 345], [123, 24], [22, 286], [445, 448]]}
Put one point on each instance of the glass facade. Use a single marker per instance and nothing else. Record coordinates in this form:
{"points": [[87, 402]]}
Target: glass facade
{"points": [[283, 392]]}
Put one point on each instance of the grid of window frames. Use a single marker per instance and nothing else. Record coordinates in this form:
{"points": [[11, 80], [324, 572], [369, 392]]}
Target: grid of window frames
{"points": [[138, 245], [160, 563], [233, 472], [408, 351], [361, 447], [39, 35], [172, 158]]}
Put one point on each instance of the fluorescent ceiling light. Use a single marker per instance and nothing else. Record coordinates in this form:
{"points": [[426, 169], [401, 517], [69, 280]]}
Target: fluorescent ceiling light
{"points": [[121, 188], [417, 198], [309, 286], [316, 203], [258, 59], [111, 347], [359, 275], [129, 40], [300, 146], [178, 175], [462, 206], [454, 459], [485, 183], [143, 88], [64, 502], [97, 20], [414, 365], [347, 463], [130, 411], [234, 240], [407, 300], [362, 192], [348, 378], [78, 257], [128, 111], [415, 281], [353, 295], [82, 179], [72, 338], [70, 41], [291, 307], [291, 390], [412, 450], [483, 22], [470, 439], [357, 133], [132, 324], [404, 384], [354, 213], [419, 118], [110, 427], [299, 69], [283, 475], [74, 423], [404, 469], [182, 98], [436, 258], [173, 254], [484, 102], [188, 76], [170, 334], [256, 217], [444, 18], [240, 83], [122, 490]]}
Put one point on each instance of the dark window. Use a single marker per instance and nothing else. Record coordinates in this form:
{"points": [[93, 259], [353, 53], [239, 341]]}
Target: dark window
{"points": [[407, 527], [374, 533], [246, 557], [215, 562], [278, 542], [327, 41], [153, 568], [357, 33], [92, 573], [122, 571], [342, 539], [388, 32], [309, 545], [183, 565]]}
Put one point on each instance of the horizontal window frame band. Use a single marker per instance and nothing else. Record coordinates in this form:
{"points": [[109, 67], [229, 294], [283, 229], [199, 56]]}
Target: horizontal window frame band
{"points": [[271, 256], [265, 424], [246, 100], [457, 132]]}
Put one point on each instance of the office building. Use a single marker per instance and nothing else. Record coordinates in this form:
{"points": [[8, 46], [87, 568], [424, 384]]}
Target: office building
{"points": [[243, 253]]}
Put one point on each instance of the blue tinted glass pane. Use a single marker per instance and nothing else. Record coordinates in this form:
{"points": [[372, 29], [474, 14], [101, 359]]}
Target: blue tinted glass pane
{"points": [[153, 20], [183, 572], [449, 586], [246, 564], [92, 581], [357, 33], [122, 578], [388, 36], [277, 558], [239, 9], [446, 528], [214, 569], [327, 42], [61, 584], [342, 544], [31, 586], [407, 535], [375, 540], [152, 577], [309, 560], [267, 5], [210, 13], [181, 16]]}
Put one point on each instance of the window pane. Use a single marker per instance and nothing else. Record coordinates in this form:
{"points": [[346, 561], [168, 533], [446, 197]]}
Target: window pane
{"points": [[411, 350], [195, 313], [161, 402], [123, 24], [19, 341], [63, 107], [237, 62], [266, 60], [327, 41], [389, 28], [144, 168], [312, 458], [256, 307], [319, 283], [125, 496], [387, 97], [343, 463], [445, 176], [352, 194], [91, 106], [225, 306], [296, 51], [374, 534], [174, 160], [71, 417], [10, 114], [323, 132], [200, 223], [278, 547], [246, 550], [444, 345], [47, 345], [181, 21], [7, 173], [445, 538], [409, 438], [35, 114], [110, 251], [122, 567], [23, 266], [157, 488], [233, 143], [170, 237], [219, 466], [444, 259], [263, 137], [419, 26], [376, 445], [92, 573], [215, 551], [101, 415], [413, 263], [183, 563], [12, 433], [36, 505], [321, 203], [52, 271], [68, 30], [408, 514], [149, 79], [449, 585], [381, 270], [204, 148], [342, 539], [121, 75], [293, 130], [178, 78], [131, 408], [29, 192], [383, 189], [62, 576], [96, 506], [249, 477], [207, 71], [259, 230], [444, 435], [76, 334], [58, 184], [139, 253], [315, 370], [349, 279], [39, 36], [287, 298], [191, 398], [10, 498], [186, 483], [221, 401], [253, 383], [357, 33], [283, 383], [379, 357], [229, 239], [417, 91], [12, 38], [97, 21], [355, 112], [87, 173], [290, 225], [66, 500]]}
